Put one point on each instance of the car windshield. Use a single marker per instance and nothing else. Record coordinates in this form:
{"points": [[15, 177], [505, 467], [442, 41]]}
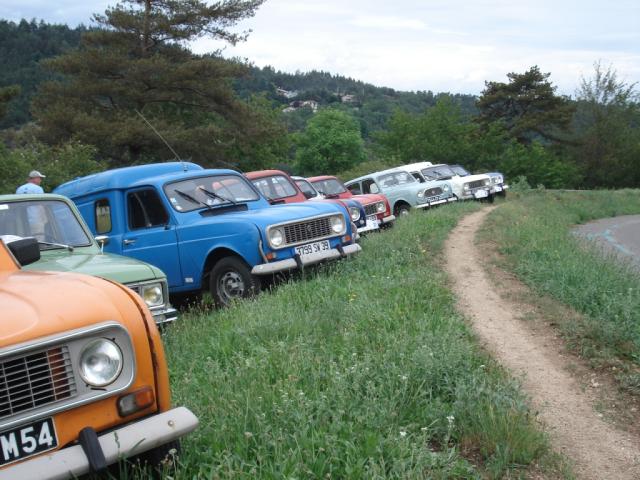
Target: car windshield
{"points": [[330, 186], [306, 187], [275, 187], [442, 172], [395, 179], [51, 222], [211, 191], [458, 170]]}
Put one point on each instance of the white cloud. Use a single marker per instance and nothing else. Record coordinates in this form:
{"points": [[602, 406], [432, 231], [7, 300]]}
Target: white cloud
{"points": [[385, 22]]}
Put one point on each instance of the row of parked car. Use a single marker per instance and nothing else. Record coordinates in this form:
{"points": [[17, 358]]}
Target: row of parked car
{"points": [[83, 379]]}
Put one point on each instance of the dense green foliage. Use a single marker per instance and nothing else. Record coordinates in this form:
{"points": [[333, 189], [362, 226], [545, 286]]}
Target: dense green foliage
{"points": [[331, 142], [527, 107], [22, 46], [608, 127], [533, 232], [59, 164], [358, 386]]}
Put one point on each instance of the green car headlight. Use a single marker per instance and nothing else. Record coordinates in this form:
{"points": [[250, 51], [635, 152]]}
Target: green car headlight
{"points": [[276, 237], [446, 187], [100, 362], [152, 294]]}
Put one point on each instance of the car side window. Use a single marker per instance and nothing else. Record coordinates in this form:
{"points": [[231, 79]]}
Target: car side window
{"points": [[355, 188], [145, 209], [369, 186], [418, 177], [103, 216]]}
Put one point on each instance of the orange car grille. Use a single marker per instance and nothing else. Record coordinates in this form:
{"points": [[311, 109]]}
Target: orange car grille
{"points": [[35, 379], [309, 230]]}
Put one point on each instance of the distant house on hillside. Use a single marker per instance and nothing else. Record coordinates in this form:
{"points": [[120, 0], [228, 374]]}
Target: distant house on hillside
{"points": [[297, 104], [286, 93], [348, 98]]}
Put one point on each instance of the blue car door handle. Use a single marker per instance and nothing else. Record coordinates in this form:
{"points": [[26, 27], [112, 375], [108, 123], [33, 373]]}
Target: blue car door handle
{"points": [[129, 241]]}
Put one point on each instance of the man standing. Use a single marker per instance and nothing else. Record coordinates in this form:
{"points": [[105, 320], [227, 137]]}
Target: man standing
{"points": [[33, 183]]}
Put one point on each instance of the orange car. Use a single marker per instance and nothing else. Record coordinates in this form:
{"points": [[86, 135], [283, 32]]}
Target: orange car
{"points": [[83, 377]]}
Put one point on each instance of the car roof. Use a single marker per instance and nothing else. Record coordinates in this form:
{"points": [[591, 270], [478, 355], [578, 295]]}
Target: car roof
{"points": [[417, 165], [377, 174], [264, 173], [32, 196], [319, 178], [128, 177]]}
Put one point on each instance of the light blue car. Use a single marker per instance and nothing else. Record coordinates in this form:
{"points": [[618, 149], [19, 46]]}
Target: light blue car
{"points": [[402, 190]]}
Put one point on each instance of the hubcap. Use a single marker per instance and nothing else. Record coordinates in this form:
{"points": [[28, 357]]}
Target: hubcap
{"points": [[231, 286], [403, 212]]}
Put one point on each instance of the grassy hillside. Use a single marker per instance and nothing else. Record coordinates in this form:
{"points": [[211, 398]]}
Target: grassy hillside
{"points": [[361, 369], [533, 232]]}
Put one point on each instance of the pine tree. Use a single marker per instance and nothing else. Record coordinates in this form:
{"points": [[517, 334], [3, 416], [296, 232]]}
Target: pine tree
{"points": [[138, 63]]}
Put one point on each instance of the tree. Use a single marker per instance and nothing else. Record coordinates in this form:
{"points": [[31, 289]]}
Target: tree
{"points": [[608, 129], [6, 95], [527, 106], [137, 63], [330, 143], [440, 135]]}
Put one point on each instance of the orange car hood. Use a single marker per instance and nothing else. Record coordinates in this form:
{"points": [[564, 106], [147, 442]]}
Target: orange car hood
{"points": [[38, 304]]}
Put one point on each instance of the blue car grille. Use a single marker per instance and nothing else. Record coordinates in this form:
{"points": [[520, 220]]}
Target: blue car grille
{"points": [[433, 192], [309, 230], [35, 379]]}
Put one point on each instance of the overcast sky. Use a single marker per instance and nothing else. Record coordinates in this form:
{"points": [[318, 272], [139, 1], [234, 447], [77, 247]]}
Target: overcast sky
{"points": [[438, 45]]}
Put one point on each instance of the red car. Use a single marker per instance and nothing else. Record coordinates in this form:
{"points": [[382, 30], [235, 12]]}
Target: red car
{"points": [[278, 187], [374, 204]]}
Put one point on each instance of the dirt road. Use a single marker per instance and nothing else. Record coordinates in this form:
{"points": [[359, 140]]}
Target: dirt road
{"points": [[597, 449]]}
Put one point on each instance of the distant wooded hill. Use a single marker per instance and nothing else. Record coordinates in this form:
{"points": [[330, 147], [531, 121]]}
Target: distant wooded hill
{"points": [[23, 45]]}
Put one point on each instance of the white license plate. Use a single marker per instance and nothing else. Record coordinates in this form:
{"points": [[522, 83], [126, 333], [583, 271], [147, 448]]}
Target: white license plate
{"points": [[481, 194], [23, 442], [372, 221], [311, 248]]}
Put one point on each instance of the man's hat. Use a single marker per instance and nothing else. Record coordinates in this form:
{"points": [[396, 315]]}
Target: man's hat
{"points": [[36, 173]]}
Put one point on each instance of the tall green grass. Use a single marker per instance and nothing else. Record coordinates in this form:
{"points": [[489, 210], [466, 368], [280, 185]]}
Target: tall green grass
{"points": [[533, 231], [361, 369]]}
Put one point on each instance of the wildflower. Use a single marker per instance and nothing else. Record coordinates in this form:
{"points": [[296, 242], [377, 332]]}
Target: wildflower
{"points": [[403, 433], [248, 435], [450, 419]]}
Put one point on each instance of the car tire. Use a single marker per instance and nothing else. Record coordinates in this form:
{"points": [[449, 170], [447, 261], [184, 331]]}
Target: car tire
{"points": [[402, 210], [231, 279], [491, 198]]}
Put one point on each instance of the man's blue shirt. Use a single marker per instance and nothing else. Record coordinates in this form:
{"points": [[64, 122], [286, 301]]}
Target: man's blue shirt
{"points": [[28, 188]]}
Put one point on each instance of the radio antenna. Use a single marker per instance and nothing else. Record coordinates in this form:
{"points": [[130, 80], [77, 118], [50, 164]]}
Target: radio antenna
{"points": [[184, 167]]}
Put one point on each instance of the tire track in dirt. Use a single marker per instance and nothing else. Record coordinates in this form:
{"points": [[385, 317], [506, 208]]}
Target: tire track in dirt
{"points": [[597, 449]]}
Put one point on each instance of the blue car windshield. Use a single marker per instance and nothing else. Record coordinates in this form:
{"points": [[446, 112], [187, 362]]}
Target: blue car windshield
{"points": [[395, 179], [50, 221], [208, 192]]}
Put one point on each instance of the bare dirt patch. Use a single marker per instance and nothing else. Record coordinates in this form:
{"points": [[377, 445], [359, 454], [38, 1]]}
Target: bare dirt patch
{"points": [[566, 408]]}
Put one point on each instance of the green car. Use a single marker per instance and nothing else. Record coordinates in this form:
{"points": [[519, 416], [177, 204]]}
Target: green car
{"points": [[66, 244]]}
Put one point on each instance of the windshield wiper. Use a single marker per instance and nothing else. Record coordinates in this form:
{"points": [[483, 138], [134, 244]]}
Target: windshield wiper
{"points": [[217, 195], [192, 199], [53, 244]]}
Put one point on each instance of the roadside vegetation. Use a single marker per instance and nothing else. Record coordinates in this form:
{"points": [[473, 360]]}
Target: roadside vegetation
{"points": [[533, 233], [361, 369]]}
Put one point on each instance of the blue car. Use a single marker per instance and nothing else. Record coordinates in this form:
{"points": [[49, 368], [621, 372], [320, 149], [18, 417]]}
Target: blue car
{"points": [[207, 229]]}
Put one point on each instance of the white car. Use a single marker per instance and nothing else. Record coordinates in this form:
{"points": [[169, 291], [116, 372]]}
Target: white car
{"points": [[464, 185]]}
